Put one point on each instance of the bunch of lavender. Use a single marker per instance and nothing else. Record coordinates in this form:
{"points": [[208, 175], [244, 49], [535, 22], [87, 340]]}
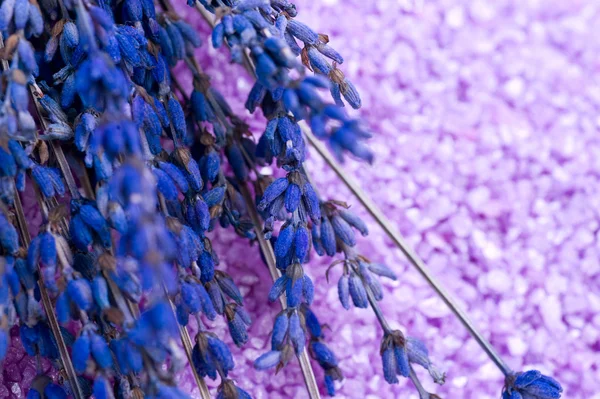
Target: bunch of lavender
{"points": [[124, 256]]}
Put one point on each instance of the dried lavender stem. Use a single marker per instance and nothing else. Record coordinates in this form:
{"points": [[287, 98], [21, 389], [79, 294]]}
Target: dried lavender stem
{"points": [[267, 249], [397, 238]]}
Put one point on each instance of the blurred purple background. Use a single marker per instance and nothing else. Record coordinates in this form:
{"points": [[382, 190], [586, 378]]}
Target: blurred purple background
{"points": [[485, 117]]}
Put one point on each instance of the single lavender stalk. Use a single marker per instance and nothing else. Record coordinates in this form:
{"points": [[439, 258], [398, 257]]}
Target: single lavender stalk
{"points": [[267, 250]]}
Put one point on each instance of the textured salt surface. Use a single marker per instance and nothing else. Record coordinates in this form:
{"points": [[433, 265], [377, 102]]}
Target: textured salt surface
{"points": [[485, 117]]}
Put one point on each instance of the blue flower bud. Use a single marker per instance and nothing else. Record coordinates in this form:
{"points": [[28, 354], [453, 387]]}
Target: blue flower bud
{"points": [[80, 293], [312, 323], [284, 241], [277, 288], [20, 156], [56, 180], [19, 96], [324, 355], [302, 242], [280, 329], [21, 13], [292, 103], [11, 275], [190, 298], [316, 240], [344, 291], [183, 314], [94, 219], [43, 180], [221, 102], [328, 236], [275, 189], [237, 330], [175, 174], [343, 230], [218, 35], [165, 185], [53, 391], [237, 162], [25, 275], [294, 292], [265, 69], [177, 117], [228, 24], [100, 292], [27, 56], [198, 216], [220, 352], [201, 107], [9, 238], [63, 308], [292, 43], [292, 197], [214, 196], [268, 360], [317, 62], [102, 389], [47, 250], [296, 333], [134, 9], [255, 97], [308, 289], [101, 352], [350, 94], [535, 384], [389, 366], [358, 292], [207, 305], [302, 32], [228, 286], [81, 352], [36, 21], [8, 166], [402, 367], [80, 233], [210, 166], [177, 41], [207, 266], [216, 297], [312, 203]]}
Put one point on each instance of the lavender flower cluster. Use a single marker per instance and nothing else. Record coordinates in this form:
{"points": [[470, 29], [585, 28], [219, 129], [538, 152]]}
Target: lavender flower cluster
{"points": [[132, 174]]}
